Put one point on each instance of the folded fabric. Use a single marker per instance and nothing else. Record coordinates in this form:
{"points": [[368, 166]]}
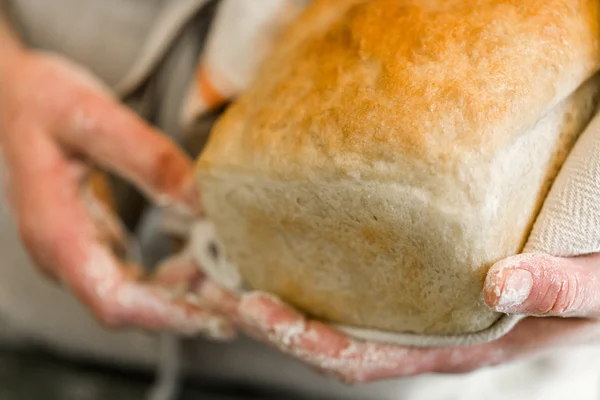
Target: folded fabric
{"points": [[569, 223], [241, 34]]}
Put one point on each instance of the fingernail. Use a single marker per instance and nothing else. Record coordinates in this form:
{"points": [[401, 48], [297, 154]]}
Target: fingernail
{"points": [[516, 289]]}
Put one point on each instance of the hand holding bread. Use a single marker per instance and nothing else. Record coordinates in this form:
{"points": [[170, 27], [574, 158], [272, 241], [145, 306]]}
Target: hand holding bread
{"points": [[387, 158], [57, 122], [561, 295]]}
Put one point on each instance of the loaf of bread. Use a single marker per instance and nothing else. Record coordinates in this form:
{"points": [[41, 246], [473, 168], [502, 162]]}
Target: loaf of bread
{"points": [[388, 152]]}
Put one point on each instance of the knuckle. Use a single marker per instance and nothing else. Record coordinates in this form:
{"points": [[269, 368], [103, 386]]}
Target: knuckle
{"points": [[354, 379], [109, 317], [350, 377], [344, 377], [464, 368], [29, 234], [169, 169], [108, 313], [568, 296], [41, 246]]}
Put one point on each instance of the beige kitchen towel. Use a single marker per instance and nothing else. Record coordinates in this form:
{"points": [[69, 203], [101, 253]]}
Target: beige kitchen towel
{"points": [[569, 223], [241, 34]]}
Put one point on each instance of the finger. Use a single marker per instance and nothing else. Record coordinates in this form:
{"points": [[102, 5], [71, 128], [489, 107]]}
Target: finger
{"points": [[119, 140], [328, 350], [354, 361], [156, 308], [183, 273], [59, 233], [541, 285], [530, 337], [180, 273], [538, 334], [220, 299]]}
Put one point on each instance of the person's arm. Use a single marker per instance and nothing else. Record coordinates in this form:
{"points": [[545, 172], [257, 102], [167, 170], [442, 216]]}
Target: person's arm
{"points": [[10, 44]]}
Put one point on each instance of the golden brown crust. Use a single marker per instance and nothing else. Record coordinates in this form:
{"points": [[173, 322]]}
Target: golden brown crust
{"points": [[355, 81]]}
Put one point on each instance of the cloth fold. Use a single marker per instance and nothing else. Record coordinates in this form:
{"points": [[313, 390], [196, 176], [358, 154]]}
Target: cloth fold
{"points": [[241, 35], [569, 222]]}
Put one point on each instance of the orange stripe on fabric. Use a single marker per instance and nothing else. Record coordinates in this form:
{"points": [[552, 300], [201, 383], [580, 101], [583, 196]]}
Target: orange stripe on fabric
{"points": [[210, 95]]}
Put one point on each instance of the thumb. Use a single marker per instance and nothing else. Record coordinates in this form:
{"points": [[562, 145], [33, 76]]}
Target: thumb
{"points": [[541, 285], [568, 226]]}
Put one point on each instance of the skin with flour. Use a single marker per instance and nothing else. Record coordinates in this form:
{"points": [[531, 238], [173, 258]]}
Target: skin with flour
{"points": [[549, 296], [56, 122]]}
